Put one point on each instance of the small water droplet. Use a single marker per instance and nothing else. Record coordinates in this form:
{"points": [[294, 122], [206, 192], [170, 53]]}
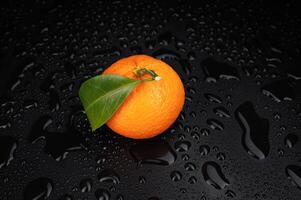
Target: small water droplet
{"points": [[204, 150], [212, 98], [189, 166], [221, 112], [85, 185], [205, 131], [277, 116], [293, 173], [192, 180], [120, 197], [290, 140], [175, 176], [215, 124], [141, 179], [280, 152], [185, 157], [220, 156], [230, 194], [102, 194], [182, 146], [183, 190], [108, 176], [195, 135]]}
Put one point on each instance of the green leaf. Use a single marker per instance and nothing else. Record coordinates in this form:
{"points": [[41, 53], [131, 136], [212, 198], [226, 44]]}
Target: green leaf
{"points": [[102, 95]]}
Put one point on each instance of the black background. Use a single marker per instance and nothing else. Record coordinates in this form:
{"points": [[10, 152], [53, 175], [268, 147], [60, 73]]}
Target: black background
{"points": [[48, 48]]}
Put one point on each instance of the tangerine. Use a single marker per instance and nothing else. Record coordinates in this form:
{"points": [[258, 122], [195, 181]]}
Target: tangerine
{"points": [[153, 106]]}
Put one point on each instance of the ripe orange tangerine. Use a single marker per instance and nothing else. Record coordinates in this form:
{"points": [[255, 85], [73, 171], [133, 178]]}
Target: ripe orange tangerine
{"points": [[153, 106]]}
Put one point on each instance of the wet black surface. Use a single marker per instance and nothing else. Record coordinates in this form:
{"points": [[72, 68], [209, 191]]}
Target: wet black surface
{"points": [[238, 136]]}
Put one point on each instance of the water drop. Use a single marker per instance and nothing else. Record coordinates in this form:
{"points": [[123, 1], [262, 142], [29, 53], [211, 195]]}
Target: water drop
{"points": [[205, 132], [204, 150], [120, 197], [221, 112], [185, 157], [175, 176], [290, 140], [293, 173], [214, 176], [4, 124], [255, 131], [30, 103], [279, 91], [195, 135], [85, 185], [102, 194], [277, 116], [215, 124], [192, 180], [39, 188], [108, 176], [39, 128], [215, 70], [182, 146], [189, 166], [156, 152], [212, 98], [141, 179], [8, 146], [220, 156], [230, 194]]}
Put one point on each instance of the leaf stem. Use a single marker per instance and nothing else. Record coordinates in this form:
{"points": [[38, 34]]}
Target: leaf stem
{"points": [[142, 71]]}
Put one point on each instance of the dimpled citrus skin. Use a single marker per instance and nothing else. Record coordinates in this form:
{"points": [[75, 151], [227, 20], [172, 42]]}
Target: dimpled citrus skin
{"points": [[153, 106]]}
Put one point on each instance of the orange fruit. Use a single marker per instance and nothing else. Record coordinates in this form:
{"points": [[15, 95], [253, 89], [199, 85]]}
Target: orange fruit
{"points": [[153, 106]]}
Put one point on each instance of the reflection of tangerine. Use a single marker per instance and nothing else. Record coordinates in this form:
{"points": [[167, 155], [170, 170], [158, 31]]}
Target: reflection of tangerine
{"points": [[152, 106]]}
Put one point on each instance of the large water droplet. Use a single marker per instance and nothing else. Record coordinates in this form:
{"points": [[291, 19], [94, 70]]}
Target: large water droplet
{"points": [[293, 172], [215, 70], [38, 189], [214, 176], [39, 128], [255, 138], [8, 145], [279, 90], [156, 152], [59, 144]]}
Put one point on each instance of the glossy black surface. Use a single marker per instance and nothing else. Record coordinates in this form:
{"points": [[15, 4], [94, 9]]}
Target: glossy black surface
{"points": [[238, 136]]}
